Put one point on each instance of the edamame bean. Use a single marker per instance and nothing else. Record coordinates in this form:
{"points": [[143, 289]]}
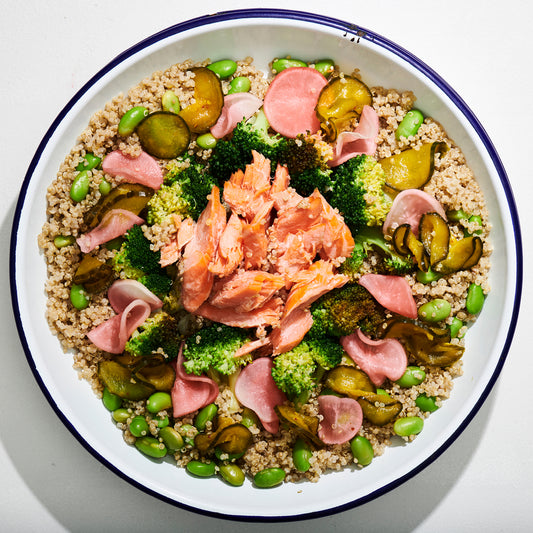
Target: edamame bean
{"points": [[223, 68], [80, 186], [205, 415], [151, 447], [121, 415], [455, 327], [383, 392], [158, 401], [325, 66], [478, 222], [362, 450], [426, 403], [249, 418], [79, 297], [427, 277], [130, 120], [456, 215], [412, 376], [286, 62], [139, 426], [114, 244], [162, 421], [232, 473], [410, 124], [197, 468], [474, 299], [269, 477], [206, 141], [225, 456], [409, 425], [89, 162], [301, 453], [240, 84], [111, 401], [171, 438], [64, 240], [435, 310], [170, 102], [104, 187], [188, 433]]}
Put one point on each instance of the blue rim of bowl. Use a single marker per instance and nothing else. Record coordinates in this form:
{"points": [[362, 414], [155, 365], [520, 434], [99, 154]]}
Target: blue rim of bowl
{"points": [[351, 32]]}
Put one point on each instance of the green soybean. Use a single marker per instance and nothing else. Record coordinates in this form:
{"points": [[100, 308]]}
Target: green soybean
{"points": [[249, 418], [120, 415], [64, 240], [426, 403], [362, 450], [205, 415], [286, 62], [474, 299], [89, 162], [269, 477], [151, 447], [162, 421], [232, 474], [301, 453], [170, 102], [456, 215], [104, 187], [427, 277], [435, 310], [171, 438], [80, 186], [188, 433], [114, 244], [478, 221], [206, 141], [240, 84], [410, 124], [225, 456], [139, 426], [455, 327], [111, 401], [382, 392], [197, 468], [409, 425], [223, 68], [131, 119], [79, 297], [158, 401], [412, 376], [325, 66]]}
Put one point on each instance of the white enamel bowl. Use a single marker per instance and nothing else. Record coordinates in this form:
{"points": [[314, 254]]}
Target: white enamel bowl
{"points": [[275, 33]]}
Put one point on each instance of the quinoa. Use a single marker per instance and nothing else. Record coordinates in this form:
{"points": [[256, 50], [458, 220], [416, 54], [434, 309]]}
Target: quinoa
{"points": [[452, 184]]}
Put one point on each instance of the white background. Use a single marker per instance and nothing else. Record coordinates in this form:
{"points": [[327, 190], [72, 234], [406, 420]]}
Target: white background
{"points": [[49, 482]]}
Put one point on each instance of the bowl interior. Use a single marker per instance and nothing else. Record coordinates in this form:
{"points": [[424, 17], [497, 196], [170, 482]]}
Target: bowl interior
{"points": [[83, 413]]}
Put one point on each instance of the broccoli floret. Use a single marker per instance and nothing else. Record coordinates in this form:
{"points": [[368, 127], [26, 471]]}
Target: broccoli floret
{"points": [[298, 371], [213, 348], [136, 260], [158, 332], [233, 154], [341, 311], [358, 192], [184, 193], [372, 239], [310, 179]]}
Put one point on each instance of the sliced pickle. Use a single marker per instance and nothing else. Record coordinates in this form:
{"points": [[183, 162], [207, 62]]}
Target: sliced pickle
{"points": [[464, 253], [120, 381], [380, 409], [349, 381], [398, 239], [208, 101], [405, 327], [412, 169], [130, 196], [306, 426], [417, 249], [93, 274], [204, 442], [164, 134], [233, 439], [435, 236], [161, 376], [340, 101]]}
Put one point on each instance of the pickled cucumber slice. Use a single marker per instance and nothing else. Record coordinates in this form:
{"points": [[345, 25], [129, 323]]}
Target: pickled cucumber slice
{"points": [[164, 135]]}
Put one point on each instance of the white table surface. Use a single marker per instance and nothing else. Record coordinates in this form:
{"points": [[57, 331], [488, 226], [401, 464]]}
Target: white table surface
{"points": [[49, 482]]}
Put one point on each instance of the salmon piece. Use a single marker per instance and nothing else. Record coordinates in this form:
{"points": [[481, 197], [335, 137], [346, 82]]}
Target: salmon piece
{"points": [[185, 232], [291, 331], [281, 180], [171, 251], [245, 290], [251, 346], [255, 239], [199, 252], [245, 192], [266, 315], [230, 252], [285, 199], [311, 284]]}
